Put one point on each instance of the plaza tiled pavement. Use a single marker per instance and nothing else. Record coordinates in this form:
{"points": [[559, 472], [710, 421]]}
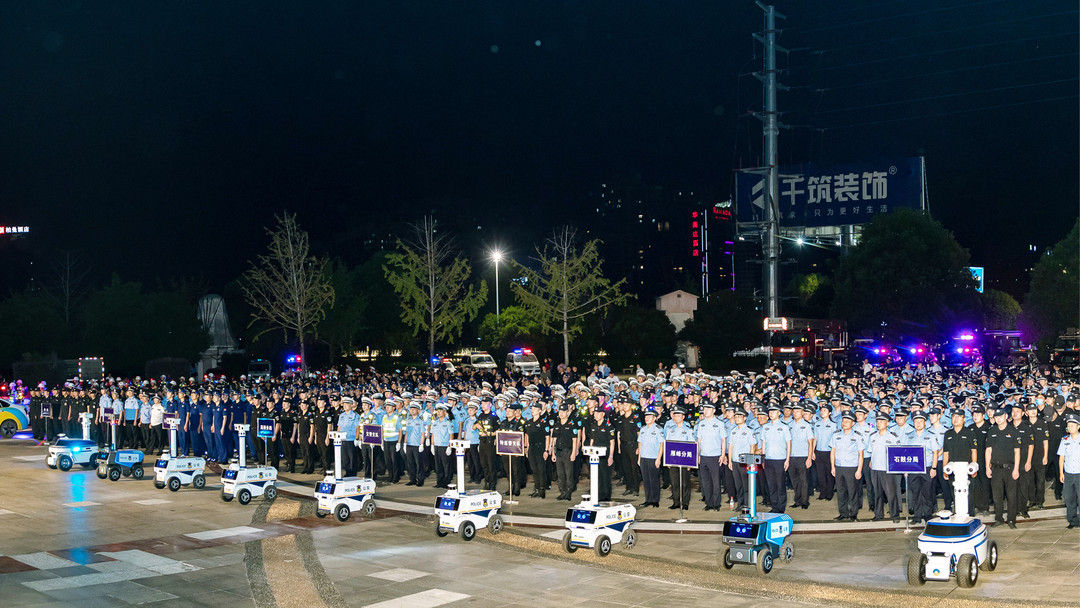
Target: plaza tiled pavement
{"points": [[72, 539]]}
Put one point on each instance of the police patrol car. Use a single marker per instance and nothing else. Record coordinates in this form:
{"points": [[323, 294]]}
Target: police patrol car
{"points": [[463, 512], [343, 495], [244, 483], [954, 544], [172, 471], [68, 451], [752, 538], [598, 525]]}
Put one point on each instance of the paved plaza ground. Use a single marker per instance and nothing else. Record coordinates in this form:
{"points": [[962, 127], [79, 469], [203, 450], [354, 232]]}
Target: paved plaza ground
{"points": [[72, 539]]}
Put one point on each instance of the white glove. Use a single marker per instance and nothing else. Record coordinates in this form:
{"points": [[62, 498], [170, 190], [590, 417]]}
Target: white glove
{"points": [[448, 450], [357, 443], [399, 446], [432, 450]]}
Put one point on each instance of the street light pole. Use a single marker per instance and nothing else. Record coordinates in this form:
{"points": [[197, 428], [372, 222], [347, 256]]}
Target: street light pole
{"points": [[496, 256]]}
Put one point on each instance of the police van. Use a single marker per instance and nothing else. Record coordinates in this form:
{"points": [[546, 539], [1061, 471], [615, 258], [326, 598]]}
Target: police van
{"points": [[478, 361], [523, 361]]}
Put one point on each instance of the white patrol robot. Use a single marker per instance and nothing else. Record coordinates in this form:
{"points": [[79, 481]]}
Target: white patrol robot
{"points": [[595, 524], [68, 452], [954, 544], [242, 482], [461, 511], [752, 538], [343, 495], [172, 471], [128, 463]]}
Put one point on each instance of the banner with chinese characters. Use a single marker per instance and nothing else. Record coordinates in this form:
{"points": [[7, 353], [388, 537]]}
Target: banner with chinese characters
{"points": [[905, 459], [835, 195], [510, 443]]}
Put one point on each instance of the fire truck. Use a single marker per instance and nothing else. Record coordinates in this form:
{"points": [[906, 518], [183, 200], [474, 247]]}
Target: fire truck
{"points": [[806, 343]]}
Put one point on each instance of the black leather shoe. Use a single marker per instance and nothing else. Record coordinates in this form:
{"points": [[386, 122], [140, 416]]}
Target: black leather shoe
{"points": [[534, 494], [839, 518], [541, 495], [1012, 525], [674, 507]]}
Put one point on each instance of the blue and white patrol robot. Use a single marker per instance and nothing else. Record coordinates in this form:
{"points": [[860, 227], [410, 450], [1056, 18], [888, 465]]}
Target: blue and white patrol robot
{"points": [[753, 538], [174, 471], [68, 451], [242, 482], [127, 463], [343, 495], [594, 524], [954, 544], [463, 512]]}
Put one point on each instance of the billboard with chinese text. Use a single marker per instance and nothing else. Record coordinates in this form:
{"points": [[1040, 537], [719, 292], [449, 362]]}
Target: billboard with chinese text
{"points": [[835, 195]]}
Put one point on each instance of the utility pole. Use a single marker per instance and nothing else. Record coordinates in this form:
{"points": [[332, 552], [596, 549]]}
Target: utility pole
{"points": [[771, 243]]}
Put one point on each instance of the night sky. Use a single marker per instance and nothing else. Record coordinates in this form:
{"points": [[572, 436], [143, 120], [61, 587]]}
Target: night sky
{"points": [[157, 139]]}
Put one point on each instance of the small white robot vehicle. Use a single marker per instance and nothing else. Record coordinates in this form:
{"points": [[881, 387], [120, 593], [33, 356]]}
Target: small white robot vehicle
{"points": [[954, 544], [68, 451], [463, 512], [343, 495], [242, 482], [753, 538], [598, 525], [126, 463], [173, 471]]}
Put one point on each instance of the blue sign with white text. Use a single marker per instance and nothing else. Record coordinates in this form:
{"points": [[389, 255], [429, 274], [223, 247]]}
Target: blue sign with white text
{"points": [[680, 454], [905, 459], [372, 434], [836, 195], [264, 427]]}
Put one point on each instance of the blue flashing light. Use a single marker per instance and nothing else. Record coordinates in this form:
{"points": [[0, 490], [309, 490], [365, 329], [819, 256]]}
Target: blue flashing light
{"points": [[960, 350], [517, 351]]}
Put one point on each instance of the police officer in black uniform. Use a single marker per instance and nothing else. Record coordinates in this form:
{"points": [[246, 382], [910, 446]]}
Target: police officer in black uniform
{"points": [[537, 429], [284, 429], [626, 431], [563, 449], [1003, 444], [960, 444], [322, 420], [1040, 457], [486, 425], [305, 435], [513, 423], [600, 433]]}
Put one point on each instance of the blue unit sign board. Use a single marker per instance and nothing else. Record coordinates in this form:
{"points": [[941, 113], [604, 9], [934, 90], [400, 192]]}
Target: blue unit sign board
{"points": [[680, 454], [372, 434], [264, 428], [835, 195], [906, 459]]}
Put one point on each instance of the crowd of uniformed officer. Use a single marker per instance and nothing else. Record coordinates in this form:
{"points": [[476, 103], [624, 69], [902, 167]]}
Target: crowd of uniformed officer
{"points": [[826, 434]]}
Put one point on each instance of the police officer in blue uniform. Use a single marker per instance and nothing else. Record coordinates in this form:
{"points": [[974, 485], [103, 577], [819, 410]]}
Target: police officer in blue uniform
{"points": [[802, 446], [776, 446], [846, 460], [712, 444], [885, 486], [650, 438], [347, 422], [414, 430], [442, 431], [679, 430], [1068, 454], [920, 488], [824, 429], [741, 440]]}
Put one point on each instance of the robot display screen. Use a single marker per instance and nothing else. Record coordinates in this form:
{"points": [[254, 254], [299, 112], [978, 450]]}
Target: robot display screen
{"points": [[324, 488], [581, 516], [228, 474], [949, 531], [161, 464], [446, 504], [739, 530]]}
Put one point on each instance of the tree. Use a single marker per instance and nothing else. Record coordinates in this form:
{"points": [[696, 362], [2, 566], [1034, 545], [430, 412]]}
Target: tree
{"points": [[68, 288], [999, 310], [431, 279], [31, 324], [1052, 303], [642, 332], [344, 320], [569, 285], [287, 288], [727, 322], [512, 327], [907, 276]]}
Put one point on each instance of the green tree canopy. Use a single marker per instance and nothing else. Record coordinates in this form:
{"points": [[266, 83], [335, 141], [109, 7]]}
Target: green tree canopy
{"points": [[32, 324], [641, 333], [513, 327], [1000, 310], [906, 276], [727, 322], [568, 286], [345, 319], [431, 280], [1052, 303]]}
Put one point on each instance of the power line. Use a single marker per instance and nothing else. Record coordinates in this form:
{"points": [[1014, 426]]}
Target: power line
{"points": [[951, 112], [879, 42], [942, 72], [888, 17], [941, 51], [948, 95]]}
